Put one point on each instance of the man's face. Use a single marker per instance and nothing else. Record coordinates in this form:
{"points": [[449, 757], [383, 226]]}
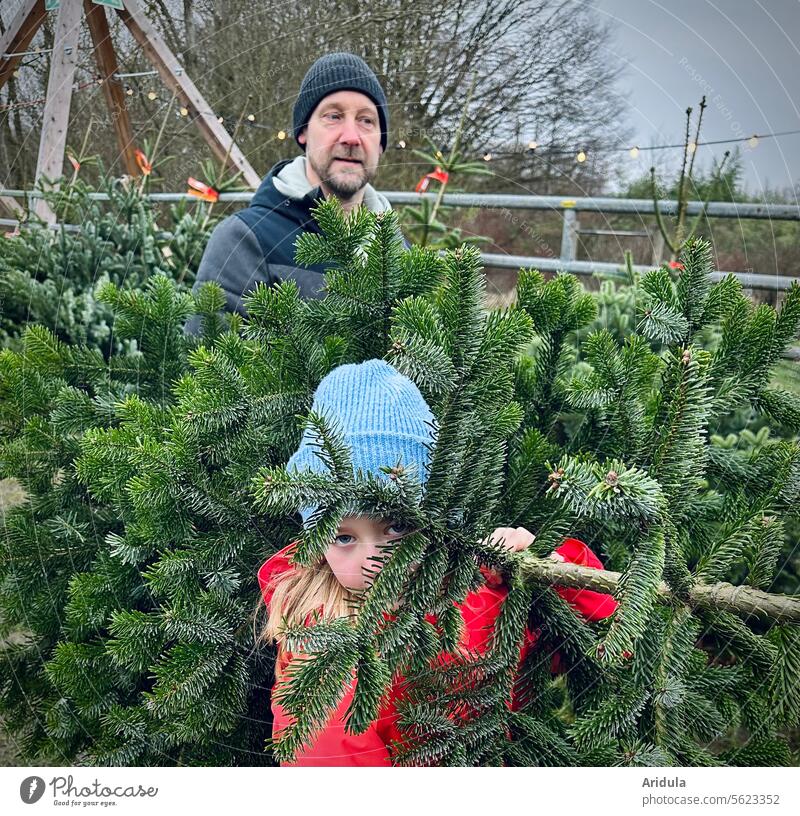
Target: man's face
{"points": [[343, 142]]}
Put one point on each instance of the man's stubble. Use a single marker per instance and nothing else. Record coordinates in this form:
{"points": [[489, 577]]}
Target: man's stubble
{"points": [[343, 190]]}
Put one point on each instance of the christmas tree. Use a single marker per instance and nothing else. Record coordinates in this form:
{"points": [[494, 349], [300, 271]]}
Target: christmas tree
{"points": [[49, 276], [155, 488]]}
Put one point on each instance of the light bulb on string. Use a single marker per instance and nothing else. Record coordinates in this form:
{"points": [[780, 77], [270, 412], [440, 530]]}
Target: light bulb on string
{"points": [[533, 145], [692, 147], [184, 111], [251, 118], [753, 141], [487, 157], [152, 95], [401, 144], [129, 90], [281, 134], [634, 152], [581, 157], [220, 119]]}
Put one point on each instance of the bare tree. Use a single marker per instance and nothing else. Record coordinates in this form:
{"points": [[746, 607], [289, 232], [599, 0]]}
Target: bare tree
{"points": [[539, 66]]}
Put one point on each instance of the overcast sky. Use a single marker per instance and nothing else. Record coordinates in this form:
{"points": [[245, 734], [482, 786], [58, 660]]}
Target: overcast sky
{"points": [[744, 55]]}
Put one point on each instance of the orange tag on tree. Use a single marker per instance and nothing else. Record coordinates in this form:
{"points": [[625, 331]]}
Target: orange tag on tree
{"points": [[74, 162], [437, 175], [144, 164], [201, 191]]}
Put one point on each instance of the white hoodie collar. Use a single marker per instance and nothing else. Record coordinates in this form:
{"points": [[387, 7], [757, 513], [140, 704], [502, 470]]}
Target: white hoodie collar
{"points": [[293, 182]]}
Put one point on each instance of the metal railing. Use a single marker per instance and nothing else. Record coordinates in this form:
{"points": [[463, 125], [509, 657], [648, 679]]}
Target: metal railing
{"points": [[567, 208]]}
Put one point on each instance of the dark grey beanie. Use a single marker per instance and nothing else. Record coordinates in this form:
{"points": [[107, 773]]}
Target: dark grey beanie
{"points": [[338, 72]]}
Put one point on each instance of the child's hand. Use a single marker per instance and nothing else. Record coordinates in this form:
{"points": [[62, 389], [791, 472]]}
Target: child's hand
{"points": [[514, 538]]}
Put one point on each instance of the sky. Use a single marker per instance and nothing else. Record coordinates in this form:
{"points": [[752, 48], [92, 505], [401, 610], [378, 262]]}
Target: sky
{"points": [[744, 55]]}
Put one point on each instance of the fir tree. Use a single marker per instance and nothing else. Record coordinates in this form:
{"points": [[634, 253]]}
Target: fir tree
{"points": [[635, 476], [156, 487], [50, 276]]}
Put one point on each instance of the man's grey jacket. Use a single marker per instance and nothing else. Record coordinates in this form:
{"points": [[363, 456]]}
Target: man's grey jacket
{"points": [[257, 243]]}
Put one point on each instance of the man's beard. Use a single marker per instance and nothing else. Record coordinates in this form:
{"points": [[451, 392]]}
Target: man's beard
{"points": [[343, 186]]}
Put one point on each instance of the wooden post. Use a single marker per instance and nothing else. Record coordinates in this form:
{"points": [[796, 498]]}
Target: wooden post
{"points": [[53, 140], [11, 205], [112, 88], [176, 80], [19, 34]]}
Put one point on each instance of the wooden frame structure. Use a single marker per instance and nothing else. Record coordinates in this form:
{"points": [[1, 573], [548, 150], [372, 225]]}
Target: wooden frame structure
{"points": [[53, 140]]}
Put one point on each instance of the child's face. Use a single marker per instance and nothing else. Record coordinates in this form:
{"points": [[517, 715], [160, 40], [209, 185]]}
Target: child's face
{"points": [[358, 540]]}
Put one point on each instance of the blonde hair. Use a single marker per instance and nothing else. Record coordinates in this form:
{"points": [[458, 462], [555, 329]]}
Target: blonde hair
{"points": [[298, 593]]}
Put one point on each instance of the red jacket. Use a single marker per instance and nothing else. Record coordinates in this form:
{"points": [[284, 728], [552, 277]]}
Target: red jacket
{"points": [[333, 747]]}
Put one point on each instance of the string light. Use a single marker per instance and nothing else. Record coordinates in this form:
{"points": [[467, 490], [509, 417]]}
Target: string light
{"points": [[600, 148], [532, 145]]}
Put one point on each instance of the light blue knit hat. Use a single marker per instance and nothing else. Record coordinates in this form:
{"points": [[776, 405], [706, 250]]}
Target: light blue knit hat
{"points": [[380, 414]]}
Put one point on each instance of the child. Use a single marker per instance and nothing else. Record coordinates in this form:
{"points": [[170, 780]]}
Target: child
{"points": [[382, 417]]}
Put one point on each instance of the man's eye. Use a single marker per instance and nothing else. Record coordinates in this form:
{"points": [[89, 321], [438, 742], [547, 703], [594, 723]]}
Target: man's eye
{"points": [[332, 115], [399, 527], [339, 543], [367, 121]]}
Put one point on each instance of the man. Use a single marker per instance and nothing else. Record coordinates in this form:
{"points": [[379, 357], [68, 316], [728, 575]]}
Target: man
{"points": [[340, 121]]}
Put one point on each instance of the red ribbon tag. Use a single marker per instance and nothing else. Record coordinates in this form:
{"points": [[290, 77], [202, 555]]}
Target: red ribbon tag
{"points": [[144, 164], [437, 175], [201, 191]]}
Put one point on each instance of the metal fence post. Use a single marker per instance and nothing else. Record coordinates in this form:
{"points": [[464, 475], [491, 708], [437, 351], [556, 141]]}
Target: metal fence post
{"points": [[569, 236]]}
